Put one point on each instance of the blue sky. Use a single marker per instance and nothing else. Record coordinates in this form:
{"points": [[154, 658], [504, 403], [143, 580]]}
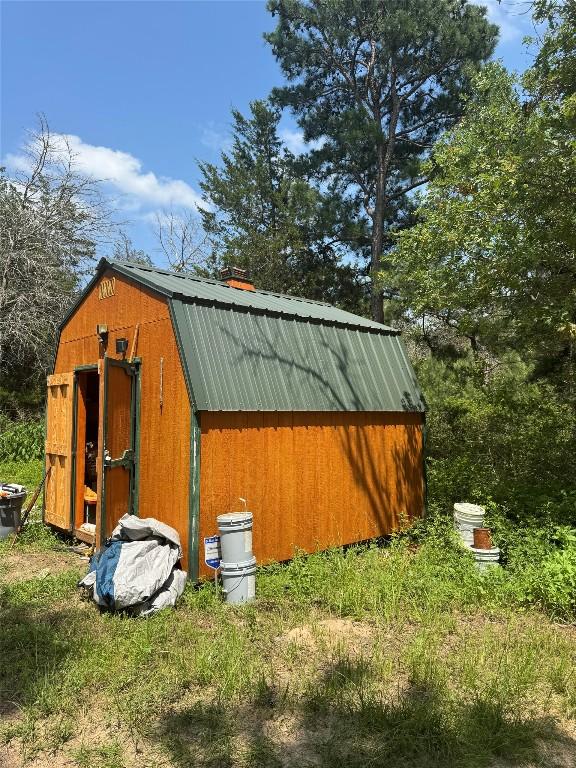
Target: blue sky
{"points": [[145, 87]]}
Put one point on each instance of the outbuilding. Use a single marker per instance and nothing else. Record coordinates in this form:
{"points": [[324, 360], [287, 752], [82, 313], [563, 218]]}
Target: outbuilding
{"points": [[174, 396]]}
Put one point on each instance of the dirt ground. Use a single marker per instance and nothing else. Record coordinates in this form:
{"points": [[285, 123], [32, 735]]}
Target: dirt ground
{"points": [[19, 566]]}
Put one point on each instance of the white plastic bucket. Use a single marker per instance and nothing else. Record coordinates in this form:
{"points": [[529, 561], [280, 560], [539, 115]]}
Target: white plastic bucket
{"points": [[238, 581], [486, 557], [466, 518], [235, 530]]}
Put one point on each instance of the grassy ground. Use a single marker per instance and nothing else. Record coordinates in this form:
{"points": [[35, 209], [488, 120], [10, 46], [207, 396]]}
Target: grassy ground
{"points": [[373, 657]]}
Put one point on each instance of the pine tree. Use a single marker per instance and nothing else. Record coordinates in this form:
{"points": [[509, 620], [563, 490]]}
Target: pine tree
{"points": [[377, 81], [263, 215]]}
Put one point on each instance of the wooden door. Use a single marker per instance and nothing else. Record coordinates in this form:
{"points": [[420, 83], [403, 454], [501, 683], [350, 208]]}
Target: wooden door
{"points": [[117, 457], [59, 421]]}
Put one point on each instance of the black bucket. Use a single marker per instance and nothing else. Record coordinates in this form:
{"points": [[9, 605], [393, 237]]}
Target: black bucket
{"points": [[10, 509]]}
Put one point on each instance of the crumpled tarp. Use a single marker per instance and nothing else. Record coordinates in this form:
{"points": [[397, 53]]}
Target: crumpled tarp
{"points": [[135, 570]]}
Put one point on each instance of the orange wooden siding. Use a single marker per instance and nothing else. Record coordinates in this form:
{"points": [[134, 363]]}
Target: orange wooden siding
{"points": [[312, 480], [164, 428], [59, 407]]}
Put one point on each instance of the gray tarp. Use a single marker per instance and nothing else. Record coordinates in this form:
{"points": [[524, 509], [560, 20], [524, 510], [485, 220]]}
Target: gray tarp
{"points": [[136, 567]]}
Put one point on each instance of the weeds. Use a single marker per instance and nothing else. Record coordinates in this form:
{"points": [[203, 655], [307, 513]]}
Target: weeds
{"points": [[403, 655], [108, 756], [21, 441]]}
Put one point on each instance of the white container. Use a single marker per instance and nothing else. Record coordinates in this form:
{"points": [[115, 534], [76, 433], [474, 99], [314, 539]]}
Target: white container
{"points": [[238, 581], [235, 530], [485, 558], [466, 518]]}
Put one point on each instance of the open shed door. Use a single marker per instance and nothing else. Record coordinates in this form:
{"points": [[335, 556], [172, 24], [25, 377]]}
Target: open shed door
{"points": [[117, 458], [59, 420]]}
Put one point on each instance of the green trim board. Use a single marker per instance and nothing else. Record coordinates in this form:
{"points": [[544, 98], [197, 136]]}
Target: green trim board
{"points": [[137, 394], [194, 504], [91, 367], [183, 342], [44, 468], [181, 333], [424, 464]]}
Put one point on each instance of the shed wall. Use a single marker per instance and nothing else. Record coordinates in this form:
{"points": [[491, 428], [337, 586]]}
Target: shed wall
{"points": [[164, 428], [312, 480]]}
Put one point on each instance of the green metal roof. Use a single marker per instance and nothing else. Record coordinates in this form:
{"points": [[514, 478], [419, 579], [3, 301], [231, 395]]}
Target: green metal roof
{"points": [[261, 351], [201, 289], [239, 361]]}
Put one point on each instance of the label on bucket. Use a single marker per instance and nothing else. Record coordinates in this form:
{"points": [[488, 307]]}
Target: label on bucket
{"points": [[248, 541], [212, 554]]}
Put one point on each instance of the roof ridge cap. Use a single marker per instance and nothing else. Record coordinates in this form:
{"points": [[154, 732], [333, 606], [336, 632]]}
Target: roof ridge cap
{"points": [[212, 281], [367, 324]]}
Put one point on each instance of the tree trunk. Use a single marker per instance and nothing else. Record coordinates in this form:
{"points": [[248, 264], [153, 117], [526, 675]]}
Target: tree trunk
{"points": [[385, 151], [378, 238]]}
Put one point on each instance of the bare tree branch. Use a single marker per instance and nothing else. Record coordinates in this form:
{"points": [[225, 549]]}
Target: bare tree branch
{"points": [[182, 240], [51, 217]]}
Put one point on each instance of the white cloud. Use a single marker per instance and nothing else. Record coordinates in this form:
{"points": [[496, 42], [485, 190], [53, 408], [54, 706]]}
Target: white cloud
{"points": [[294, 140], [512, 22], [123, 172], [216, 138]]}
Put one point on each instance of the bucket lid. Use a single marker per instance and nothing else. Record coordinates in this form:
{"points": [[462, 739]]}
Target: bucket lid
{"points": [[465, 508], [234, 518], [238, 566]]}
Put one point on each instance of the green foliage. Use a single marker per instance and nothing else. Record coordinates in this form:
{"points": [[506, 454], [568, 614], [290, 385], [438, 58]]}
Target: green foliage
{"points": [[553, 75], [26, 473], [493, 433], [107, 756], [498, 438], [38, 591], [21, 441], [264, 215], [488, 273], [539, 554], [26, 398], [493, 254], [35, 536], [376, 83], [394, 584]]}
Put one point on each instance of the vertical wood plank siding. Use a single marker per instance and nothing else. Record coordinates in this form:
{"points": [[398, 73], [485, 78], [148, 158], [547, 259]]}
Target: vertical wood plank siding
{"points": [[164, 431], [312, 480], [60, 400]]}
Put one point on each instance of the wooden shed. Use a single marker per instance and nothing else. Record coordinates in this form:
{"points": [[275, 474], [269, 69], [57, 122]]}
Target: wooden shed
{"points": [[172, 396]]}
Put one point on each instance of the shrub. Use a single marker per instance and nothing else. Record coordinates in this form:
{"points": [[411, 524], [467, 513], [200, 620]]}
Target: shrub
{"points": [[496, 433], [21, 440], [540, 558]]}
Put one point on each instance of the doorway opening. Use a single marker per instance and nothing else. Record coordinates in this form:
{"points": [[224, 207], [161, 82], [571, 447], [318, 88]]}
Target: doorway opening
{"points": [[86, 448], [105, 446]]}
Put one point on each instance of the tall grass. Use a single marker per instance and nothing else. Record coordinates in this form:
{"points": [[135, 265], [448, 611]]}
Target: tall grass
{"points": [[402, 657]]}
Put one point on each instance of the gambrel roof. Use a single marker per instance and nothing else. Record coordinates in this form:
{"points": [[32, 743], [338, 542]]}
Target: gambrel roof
{"points": [[263, 351]]}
